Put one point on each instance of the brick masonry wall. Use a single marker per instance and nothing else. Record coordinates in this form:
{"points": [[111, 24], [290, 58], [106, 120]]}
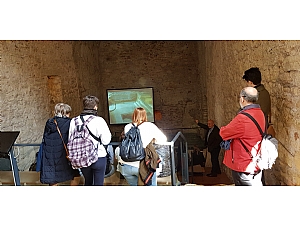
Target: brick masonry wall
{"points": [[170, 67], [222, 64]]}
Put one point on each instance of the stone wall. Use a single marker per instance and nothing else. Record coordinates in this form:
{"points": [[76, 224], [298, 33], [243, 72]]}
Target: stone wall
{"points": [[191, 80], [222, 64], [35, 75], [170, 67]]}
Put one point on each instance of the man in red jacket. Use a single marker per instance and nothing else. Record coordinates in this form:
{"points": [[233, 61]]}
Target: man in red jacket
{"points": [[242, 130]]}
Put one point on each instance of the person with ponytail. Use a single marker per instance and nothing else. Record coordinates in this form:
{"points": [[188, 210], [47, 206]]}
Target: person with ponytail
{"points": [[148, 131]]}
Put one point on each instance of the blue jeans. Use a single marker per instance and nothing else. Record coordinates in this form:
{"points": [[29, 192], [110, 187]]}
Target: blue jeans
{"points": [[154, 180], [94, 174], [130, 173]]}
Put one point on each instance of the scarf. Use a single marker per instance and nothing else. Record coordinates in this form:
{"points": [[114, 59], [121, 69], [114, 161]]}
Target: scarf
{"points": [[89, 112], [249, 107]]}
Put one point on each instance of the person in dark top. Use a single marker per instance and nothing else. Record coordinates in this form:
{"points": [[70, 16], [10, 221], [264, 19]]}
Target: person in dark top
{"points": [[55, 167], [253, 78], [212, 141]]}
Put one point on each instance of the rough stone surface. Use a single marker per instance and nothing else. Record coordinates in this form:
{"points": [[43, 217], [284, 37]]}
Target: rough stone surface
{"points": [[222, 64], [191, 80], [35, 75], [170, 67]]}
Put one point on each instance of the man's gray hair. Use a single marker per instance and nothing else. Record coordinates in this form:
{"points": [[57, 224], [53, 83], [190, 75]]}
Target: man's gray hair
{"points": [[251, 98]]}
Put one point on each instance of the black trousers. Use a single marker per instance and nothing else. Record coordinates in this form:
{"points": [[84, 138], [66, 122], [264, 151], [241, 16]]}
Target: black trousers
{"points": [[214, 157]]}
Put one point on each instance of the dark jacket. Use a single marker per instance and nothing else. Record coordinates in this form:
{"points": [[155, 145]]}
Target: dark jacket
{"points": [[55, 165], [264, 99], [214, 138], [148, 165]]}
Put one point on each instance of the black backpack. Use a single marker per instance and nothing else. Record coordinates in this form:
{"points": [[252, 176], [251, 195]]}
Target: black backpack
{"points": [[131, 148]]}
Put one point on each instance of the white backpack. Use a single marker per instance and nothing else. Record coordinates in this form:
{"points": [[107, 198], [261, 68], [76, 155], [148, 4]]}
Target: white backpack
{"points": [[268, 151]]}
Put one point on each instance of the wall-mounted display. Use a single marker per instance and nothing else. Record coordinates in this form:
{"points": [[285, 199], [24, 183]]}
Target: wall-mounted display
{"points": [[122, 102]]}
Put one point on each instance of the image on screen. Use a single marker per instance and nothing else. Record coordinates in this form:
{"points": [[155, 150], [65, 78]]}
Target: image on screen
{"points": [[122, 102]]}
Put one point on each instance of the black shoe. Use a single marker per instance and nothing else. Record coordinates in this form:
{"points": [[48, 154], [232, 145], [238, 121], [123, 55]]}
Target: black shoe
{"points": [[211, 175]]}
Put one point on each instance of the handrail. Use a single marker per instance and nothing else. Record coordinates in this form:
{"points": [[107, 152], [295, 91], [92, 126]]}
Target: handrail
{"points": [[285, 148], [180, 128], [185, 171], [177, 136], [171, 143], [25, 144], [38, 144]]}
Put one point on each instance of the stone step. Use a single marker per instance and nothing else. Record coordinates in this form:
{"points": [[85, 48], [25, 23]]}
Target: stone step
{"points": [[32, 178], [26, 178]]}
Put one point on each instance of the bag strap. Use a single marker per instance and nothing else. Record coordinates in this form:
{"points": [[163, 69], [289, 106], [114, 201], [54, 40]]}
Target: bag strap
{"points": [[246, 148], [258, 127], [67, 152], [96, 138], [253, 119], [137, 125]]}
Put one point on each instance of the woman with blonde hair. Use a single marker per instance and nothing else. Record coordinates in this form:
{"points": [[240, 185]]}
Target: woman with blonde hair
{"points": [[148, 131], [55, 166]]}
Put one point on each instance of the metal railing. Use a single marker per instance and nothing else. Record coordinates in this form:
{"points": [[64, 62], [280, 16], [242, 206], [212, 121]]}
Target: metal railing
{"points": [[182, 147]]}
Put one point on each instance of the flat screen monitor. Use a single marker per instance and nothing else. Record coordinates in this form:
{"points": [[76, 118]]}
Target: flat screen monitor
{"points": [[7, 139], [122, 102]]}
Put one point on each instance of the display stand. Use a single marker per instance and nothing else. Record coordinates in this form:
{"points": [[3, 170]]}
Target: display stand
{"points": [[7, 140]]}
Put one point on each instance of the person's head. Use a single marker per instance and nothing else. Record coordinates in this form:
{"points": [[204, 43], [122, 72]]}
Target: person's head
{"points": [[90, 102], [248, 95], [139, 115], [210, 123], [62, 110], [252, 76]]}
